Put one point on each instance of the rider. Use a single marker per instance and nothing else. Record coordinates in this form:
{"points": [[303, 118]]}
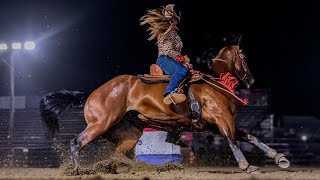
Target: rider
{"points": [[163, 26]]}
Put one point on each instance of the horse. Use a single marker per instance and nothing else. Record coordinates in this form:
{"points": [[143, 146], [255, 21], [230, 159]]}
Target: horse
{"points": [[106, 107]]}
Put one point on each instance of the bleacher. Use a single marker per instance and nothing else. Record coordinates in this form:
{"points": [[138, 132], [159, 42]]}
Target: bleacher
{"points": [[4, 133], [29, 145]]}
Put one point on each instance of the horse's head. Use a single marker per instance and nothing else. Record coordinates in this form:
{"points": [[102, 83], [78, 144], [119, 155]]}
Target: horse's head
{"points": [[233, 60], [230, 59]]}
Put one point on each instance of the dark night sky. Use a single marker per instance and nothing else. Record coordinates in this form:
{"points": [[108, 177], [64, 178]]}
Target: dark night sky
{"points": [[82, 44]]}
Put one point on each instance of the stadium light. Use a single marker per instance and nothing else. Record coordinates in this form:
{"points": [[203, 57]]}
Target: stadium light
{"points": [[304, 137], [29, 45], [16, 45], [3, 46]]}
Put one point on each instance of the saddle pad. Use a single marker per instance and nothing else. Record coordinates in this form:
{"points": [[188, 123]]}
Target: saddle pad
{"points": [[153, 79]]}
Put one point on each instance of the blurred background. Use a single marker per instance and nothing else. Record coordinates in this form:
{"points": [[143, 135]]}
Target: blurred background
{"points": [[47, 46]]}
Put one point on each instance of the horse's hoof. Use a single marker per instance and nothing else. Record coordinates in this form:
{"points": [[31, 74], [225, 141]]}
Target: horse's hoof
{"points": [[252, 170], [71, 166], [282, 161]]}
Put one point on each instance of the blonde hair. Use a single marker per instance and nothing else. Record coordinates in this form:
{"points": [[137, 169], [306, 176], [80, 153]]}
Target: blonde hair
{"points": [[160, 21]]}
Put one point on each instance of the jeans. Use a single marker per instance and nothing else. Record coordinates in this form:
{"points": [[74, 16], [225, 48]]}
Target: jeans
{"points": [[174, 68]]}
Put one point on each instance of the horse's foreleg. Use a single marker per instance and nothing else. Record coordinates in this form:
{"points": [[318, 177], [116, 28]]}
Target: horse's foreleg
{"points": [[241, 160], [279, 157], [227, 131]]}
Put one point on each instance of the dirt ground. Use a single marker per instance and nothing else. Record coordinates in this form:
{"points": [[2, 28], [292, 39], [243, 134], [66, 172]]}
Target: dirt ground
{"points": [[126, 172]]}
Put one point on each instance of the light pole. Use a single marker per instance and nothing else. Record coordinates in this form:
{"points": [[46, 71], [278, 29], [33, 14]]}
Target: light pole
{"points": [[28, 45]]}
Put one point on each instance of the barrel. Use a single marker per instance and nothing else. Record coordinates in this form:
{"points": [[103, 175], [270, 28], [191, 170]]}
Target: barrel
{"points": [[152, 148]]}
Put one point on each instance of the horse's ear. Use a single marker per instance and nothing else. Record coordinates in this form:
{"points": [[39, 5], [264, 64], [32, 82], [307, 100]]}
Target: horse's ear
{"points": [[239, 39], [233, 38]]}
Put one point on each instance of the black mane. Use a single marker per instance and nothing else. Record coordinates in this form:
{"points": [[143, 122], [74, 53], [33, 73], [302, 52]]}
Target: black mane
{"points": [[203, 63]]}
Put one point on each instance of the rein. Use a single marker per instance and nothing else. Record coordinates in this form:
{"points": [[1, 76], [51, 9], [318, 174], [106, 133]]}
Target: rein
{"points": [[217, 59], [227, 89]]}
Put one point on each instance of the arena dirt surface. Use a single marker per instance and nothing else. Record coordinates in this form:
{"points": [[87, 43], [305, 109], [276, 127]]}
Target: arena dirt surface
{"points": [[108, 170]]}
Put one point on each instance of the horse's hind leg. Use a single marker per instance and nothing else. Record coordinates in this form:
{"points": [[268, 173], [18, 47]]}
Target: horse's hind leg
{"points": [[99, 121], [279, 157], [88, 135], [127, 141]]}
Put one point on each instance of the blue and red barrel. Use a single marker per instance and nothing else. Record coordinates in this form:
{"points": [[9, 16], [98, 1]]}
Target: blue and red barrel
{"points": [[152, 148]]}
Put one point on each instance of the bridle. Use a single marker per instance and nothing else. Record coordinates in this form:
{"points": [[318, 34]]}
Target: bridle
{"points": [[242, 64]]}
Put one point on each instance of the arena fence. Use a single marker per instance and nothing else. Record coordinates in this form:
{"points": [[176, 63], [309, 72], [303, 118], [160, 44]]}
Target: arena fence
{"points": [[30, 145]]}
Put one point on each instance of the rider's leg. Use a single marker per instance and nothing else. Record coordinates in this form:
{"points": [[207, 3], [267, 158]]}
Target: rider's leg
{"points": [[178, 72]]}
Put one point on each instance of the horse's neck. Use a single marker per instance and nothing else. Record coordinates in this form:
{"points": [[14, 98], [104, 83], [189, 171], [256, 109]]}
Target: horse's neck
{"points": [[226, 53], [221, 67]]}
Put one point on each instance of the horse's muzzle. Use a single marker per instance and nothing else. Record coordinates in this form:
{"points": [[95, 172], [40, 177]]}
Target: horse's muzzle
{"points": [[249, 82]]}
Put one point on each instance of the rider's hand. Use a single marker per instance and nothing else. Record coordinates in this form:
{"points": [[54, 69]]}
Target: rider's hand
{"points": [[186, 62], [194, 72], [186, 59]]}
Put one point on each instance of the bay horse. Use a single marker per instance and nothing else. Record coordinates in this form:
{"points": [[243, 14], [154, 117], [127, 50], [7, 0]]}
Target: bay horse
{"points": [[106, 106]]}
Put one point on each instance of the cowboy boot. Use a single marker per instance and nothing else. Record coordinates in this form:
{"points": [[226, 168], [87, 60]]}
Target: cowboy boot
{"points": [[174, 98]]}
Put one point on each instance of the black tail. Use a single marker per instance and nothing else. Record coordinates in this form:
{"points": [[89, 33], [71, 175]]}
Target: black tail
{"points": [[53, 104]]}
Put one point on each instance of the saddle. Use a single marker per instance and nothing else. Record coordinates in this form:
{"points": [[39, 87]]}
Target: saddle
{"points": [[157, 76]]}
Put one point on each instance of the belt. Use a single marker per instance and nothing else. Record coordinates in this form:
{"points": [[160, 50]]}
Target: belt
{"points": [[179, 59]]}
